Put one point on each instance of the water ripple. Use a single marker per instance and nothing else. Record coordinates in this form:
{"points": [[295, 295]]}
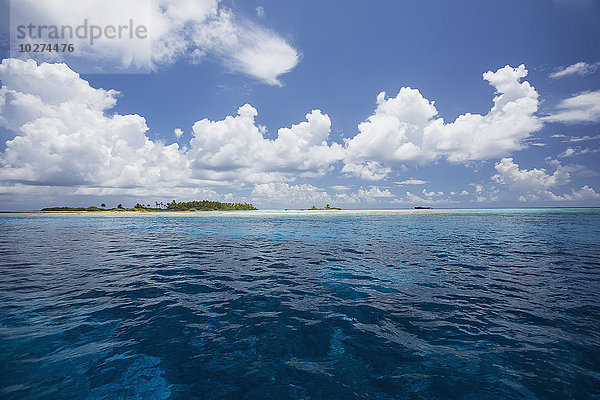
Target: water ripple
{"points": [[499, 304]]}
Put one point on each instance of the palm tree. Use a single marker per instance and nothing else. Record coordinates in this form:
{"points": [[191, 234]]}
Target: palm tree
{"points": [[103, 205]]}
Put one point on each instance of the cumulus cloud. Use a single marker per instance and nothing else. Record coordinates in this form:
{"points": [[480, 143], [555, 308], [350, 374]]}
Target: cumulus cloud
{"points": [[369, 195], [509, 173], [123, 52], [369, 171], [412, 199], [49, 104], [483, 194], [177, 29], [395, 132], [581, 68], [306, 195], [406, 129], [66, 137], [151, 193], [235, 149], [585, 193], [584, 107], [575, 169], [537, 184]]}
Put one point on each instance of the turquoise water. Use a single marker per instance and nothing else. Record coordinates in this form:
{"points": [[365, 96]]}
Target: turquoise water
{"points": [[428, 304]]}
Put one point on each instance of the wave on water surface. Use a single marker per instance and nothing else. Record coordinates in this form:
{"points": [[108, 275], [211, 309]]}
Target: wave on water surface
{"points": [[420, 304]]}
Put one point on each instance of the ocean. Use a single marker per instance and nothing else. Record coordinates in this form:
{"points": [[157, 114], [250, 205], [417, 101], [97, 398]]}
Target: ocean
{"points": [[419, 304]]}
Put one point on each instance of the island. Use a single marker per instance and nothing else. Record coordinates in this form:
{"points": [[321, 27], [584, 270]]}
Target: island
{"points": [[174, 206], [203, 205], [314, 208]]}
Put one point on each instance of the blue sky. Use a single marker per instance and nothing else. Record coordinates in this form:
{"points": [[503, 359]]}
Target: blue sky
{"points": [[444, 142]]}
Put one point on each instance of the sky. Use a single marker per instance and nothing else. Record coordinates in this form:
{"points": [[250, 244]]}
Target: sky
{"points": [[289, 104]]}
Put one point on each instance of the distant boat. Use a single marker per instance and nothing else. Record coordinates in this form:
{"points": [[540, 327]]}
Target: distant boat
{"points": [[422, 208]]}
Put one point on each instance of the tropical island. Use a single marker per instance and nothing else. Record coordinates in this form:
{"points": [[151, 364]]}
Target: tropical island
{"points": [[314, 208], [203, 205]]}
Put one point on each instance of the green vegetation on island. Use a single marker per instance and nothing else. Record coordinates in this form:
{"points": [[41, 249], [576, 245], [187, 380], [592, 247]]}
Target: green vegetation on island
{"points": [[206, 205], [314, 208], [91, 208], [203, 205]]}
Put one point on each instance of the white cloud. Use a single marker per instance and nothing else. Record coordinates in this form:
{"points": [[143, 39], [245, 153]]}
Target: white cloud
{"points": [[501, 131], [370, 195], [413, 199], [370, 170], [576, 151], [536, 184], [584, 107], [47, 104], [260, 11], [235, 149], [340, 188], [404, 129], [412, 181], [178, 133], [66, 137], [568, 152], [395, 132], [152, 193], [575, 169], [246, 47], [574, 139], [581, 68], [585, 193], [178, 29], [478, 188], [289, 196], [483, 194], [123, 52], [509, 173], [30, 92], [306, 195]]}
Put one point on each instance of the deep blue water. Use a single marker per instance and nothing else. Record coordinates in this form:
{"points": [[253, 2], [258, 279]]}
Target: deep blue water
{"points": [[415, 305]]}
